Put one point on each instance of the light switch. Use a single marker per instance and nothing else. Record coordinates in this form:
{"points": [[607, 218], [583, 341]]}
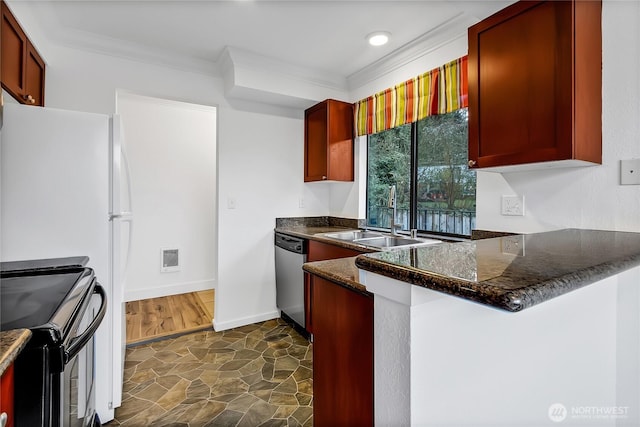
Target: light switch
{"points": [[630, 172], [231, 203]]}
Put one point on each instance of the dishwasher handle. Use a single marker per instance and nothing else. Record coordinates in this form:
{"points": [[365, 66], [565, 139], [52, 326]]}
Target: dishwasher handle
{"points": [[291, 244]]}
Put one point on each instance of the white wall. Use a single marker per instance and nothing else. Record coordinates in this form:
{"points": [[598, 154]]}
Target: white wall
{"points": [[259, 163], [261, 173], [458, 363], [171, 151]]}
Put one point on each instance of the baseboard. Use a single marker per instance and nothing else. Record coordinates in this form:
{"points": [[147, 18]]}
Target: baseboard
{"points": [[235, 323], [172, 289]]}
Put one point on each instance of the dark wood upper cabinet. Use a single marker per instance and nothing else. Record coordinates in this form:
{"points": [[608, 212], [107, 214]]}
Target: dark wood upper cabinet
{"points": [[328, 142], [23, 70], [535, 86]]}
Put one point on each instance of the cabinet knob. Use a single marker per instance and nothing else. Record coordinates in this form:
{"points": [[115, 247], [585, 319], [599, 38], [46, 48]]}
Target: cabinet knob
{"points": [[324, 177], [29, 99], [471, 163]]}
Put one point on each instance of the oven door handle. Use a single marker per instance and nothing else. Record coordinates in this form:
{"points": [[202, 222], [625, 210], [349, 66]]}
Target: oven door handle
{"points": [[77, 343]]}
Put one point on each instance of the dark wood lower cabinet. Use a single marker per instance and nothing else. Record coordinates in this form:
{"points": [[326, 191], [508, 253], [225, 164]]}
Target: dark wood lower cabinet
{"points": [[6, 395], [342, 355], [319, 251]]}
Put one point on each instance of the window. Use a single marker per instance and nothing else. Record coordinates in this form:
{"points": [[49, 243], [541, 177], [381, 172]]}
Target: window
{"points": [[427, 162]]}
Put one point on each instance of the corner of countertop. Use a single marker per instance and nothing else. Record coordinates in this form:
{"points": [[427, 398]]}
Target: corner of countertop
{"points": [[12, 342]]}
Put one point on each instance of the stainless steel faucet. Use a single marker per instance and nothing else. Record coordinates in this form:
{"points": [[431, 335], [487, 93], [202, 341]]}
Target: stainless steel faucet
{"points": [[392, 205]]}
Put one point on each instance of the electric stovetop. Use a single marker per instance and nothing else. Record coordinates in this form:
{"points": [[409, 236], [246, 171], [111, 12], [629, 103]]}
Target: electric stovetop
{"points": [[41, 293]]}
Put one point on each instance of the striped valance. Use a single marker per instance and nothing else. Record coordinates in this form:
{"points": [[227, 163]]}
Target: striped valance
{"points": [[439, 91]]}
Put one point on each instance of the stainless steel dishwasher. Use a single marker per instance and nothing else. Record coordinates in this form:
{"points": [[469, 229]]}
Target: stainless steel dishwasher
{"points": [[291, 253]]}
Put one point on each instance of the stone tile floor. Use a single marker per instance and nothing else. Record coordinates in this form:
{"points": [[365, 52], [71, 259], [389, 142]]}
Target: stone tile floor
{"points": [[255, 375]]}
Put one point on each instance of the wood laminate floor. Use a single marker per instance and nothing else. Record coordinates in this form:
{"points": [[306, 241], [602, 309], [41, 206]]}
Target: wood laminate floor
{"points": [[154, 318]]}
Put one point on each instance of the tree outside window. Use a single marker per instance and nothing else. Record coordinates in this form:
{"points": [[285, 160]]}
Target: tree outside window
{"points": [[445, 189]]}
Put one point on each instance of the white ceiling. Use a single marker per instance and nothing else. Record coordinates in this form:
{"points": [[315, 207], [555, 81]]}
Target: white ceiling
{"points": [[319, 36]]}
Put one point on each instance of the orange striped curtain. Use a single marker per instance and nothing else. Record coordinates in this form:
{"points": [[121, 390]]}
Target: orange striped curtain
{"points": [[439, 91]]}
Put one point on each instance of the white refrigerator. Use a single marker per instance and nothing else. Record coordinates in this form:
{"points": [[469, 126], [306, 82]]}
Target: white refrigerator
{"points": [[65, 192]]}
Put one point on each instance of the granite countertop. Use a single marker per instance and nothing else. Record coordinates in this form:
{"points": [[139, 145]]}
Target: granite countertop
{"points": [[316, 233], [342, 271], [513, 272], [11, 344], [310, 232]]}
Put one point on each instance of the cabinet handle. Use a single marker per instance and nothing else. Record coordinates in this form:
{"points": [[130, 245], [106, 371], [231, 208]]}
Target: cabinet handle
{"points": [[3, 419], [324, 177], [29, 99], [471, 163]]}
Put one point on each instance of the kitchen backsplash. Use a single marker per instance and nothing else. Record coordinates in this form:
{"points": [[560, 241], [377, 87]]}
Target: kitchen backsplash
{"points": [[321, 221], [330, 221]]}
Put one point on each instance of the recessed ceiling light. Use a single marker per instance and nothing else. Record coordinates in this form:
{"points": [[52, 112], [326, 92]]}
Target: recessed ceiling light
{"points": [[378, 38]]}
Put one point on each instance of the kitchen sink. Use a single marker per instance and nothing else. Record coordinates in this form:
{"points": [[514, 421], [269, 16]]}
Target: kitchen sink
{"points": [[389, 241], [353, 235], [379, 240]]}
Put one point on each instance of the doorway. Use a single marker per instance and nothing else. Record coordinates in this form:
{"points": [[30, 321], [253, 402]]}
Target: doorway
{"points": [[171, 154]]}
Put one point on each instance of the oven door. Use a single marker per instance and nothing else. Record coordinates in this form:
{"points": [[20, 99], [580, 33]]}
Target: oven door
{"points": [[77, 380]]}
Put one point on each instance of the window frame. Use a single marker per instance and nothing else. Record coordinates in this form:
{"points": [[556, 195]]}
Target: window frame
{"points": [[413, 194]]}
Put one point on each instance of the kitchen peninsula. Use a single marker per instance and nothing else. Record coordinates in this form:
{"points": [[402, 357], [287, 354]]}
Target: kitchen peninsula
{"points": [[501, 331], [539, 339]]}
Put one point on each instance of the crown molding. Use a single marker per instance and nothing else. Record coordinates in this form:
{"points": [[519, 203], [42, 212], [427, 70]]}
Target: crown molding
{"points": [[448, 31], [91, 42], [252, 77]]}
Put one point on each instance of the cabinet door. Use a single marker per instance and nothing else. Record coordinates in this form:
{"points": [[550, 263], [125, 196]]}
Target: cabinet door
{"points": [[328, 142], [6, 395], [342, 356], [34, 81], [22, 66], [14, 48], [526, 67], [340, 128], [318, 251], [315, 158]]}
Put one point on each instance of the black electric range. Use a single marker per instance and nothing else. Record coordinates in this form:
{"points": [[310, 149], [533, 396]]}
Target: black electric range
{"points": [[62, 304]]}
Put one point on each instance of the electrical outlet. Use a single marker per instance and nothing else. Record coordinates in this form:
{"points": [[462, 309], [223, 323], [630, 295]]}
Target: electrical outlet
{"points": [[512, 245], [630, 172], [231, 203], [512, 205], [301, 202]]}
